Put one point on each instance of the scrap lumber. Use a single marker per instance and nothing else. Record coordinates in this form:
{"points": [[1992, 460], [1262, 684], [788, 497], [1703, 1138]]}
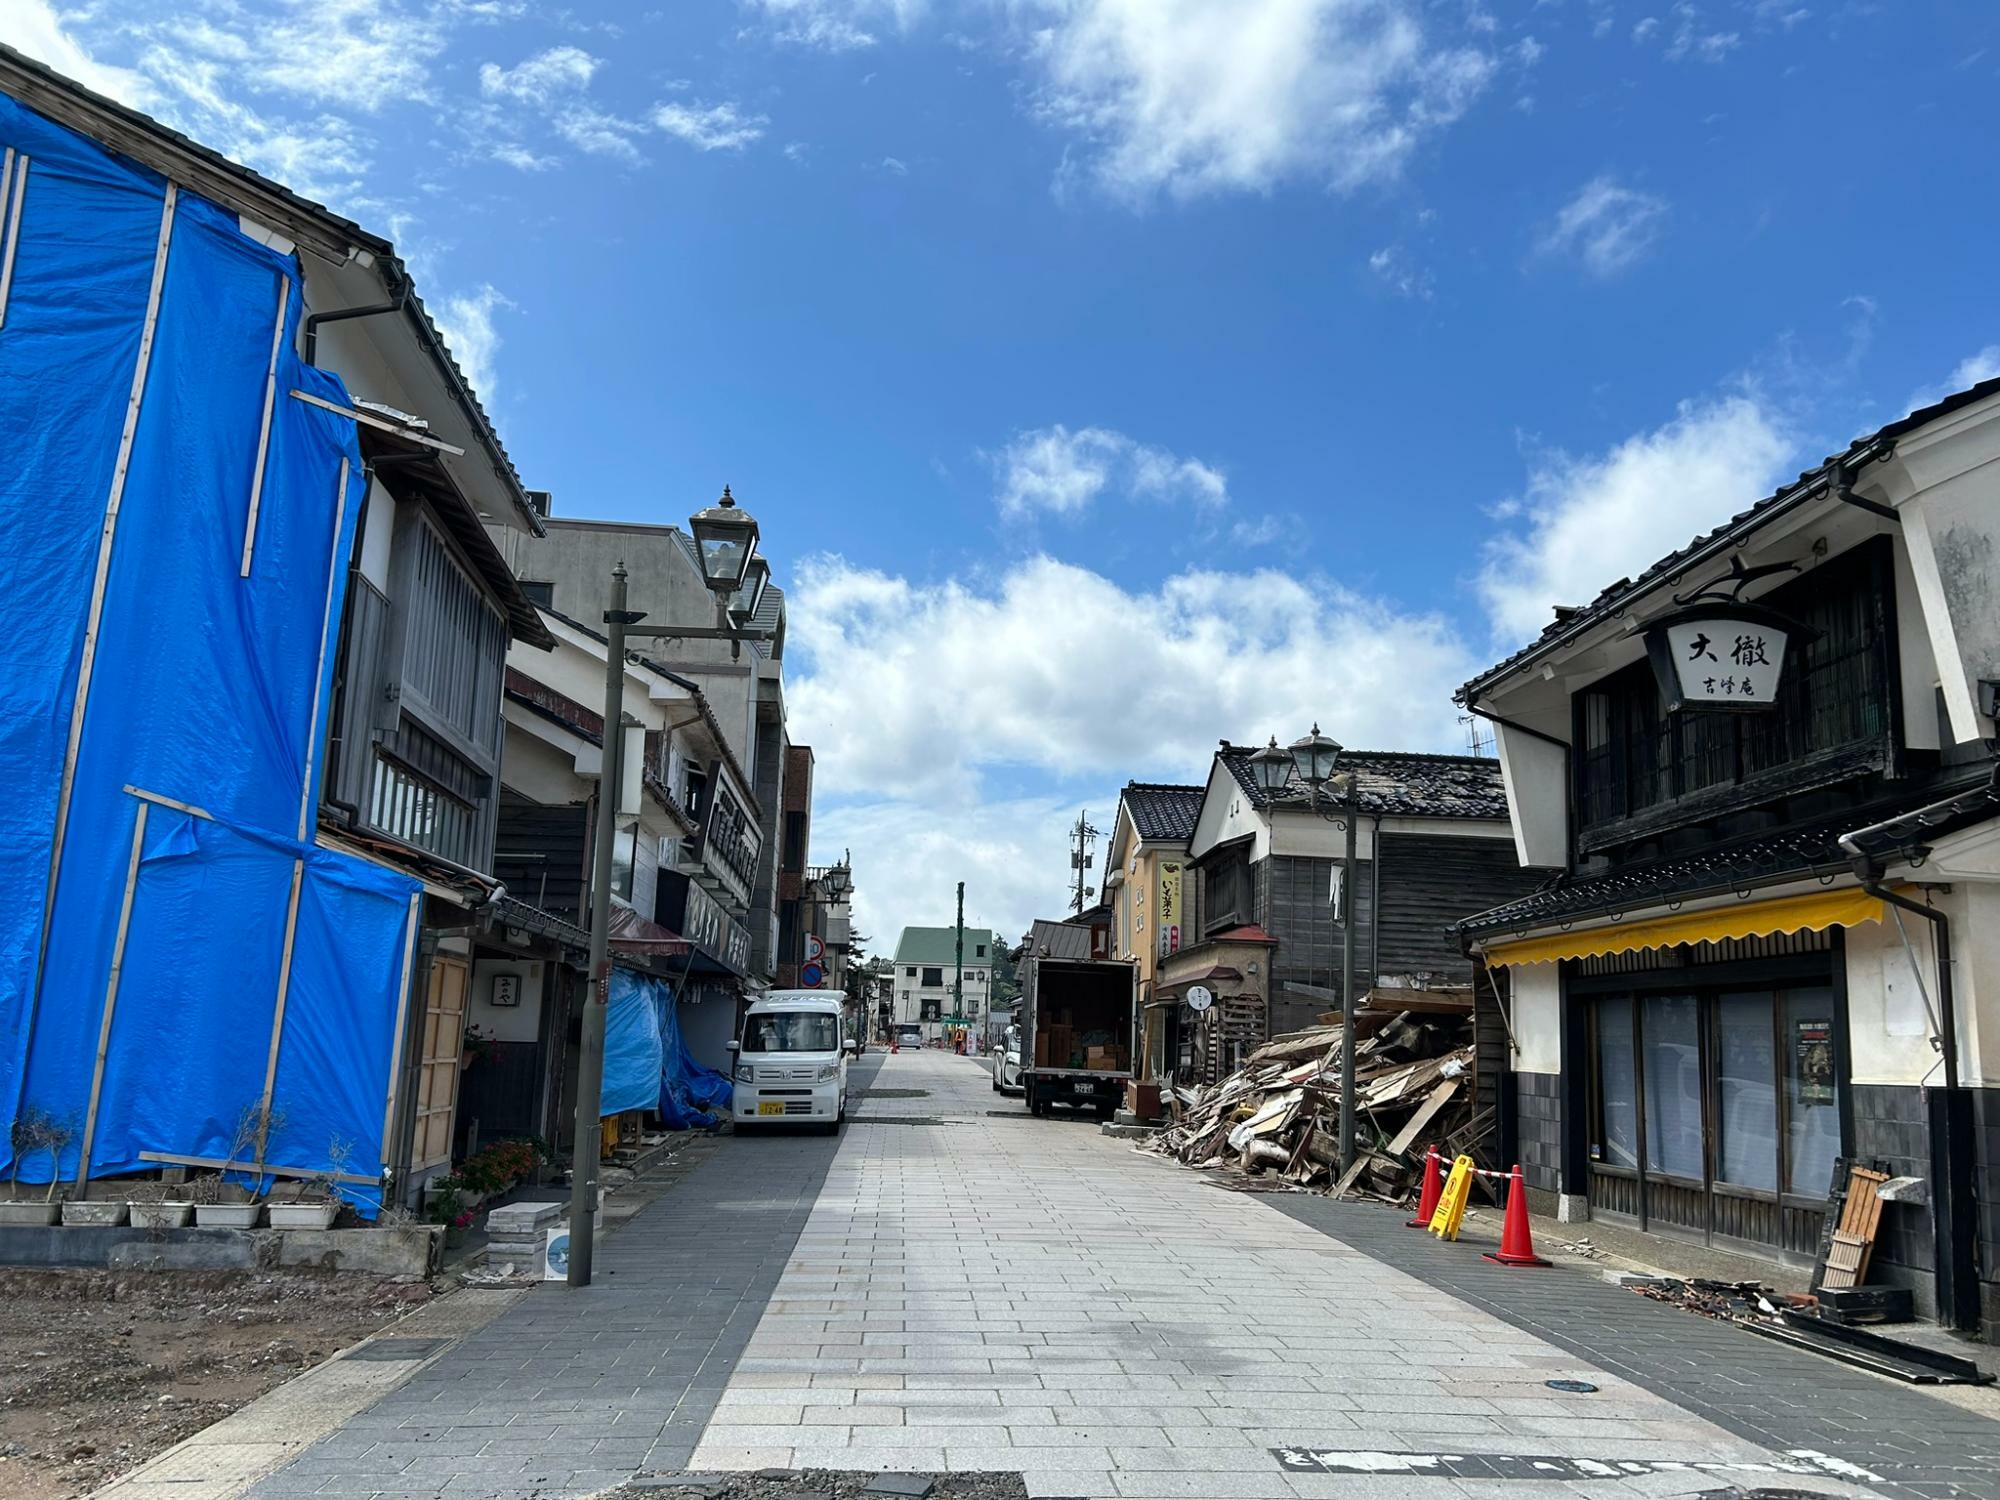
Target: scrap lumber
{"points": [[1412, 1084]]}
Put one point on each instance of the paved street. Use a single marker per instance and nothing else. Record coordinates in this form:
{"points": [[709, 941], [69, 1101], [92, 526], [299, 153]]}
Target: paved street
{"points": [[955, 1286]]}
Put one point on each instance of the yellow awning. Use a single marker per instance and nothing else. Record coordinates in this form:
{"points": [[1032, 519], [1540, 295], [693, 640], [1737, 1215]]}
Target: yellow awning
{"points": [[1813, 912]]}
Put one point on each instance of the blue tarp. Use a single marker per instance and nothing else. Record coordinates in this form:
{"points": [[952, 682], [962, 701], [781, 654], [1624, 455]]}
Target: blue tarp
{"points": [[647, 1065], [207, 688]]}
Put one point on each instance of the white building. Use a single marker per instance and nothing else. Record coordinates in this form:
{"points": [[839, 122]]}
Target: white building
{"points": [[924, 968]]}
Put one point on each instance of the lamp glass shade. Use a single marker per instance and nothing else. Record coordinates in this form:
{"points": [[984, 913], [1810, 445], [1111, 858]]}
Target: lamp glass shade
{"points": [[1272, 767], [743, 603], [1316, 756], [726, 538]]}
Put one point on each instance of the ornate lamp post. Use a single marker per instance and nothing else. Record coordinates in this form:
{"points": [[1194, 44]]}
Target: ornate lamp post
{"points": [[726, 541], [1315, 759]]}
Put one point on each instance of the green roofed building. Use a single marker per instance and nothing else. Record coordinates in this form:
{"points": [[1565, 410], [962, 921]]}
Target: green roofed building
{"points": [[922, 972]]}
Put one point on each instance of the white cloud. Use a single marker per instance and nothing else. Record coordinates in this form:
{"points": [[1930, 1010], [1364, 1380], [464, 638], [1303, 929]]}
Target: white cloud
{"points": [[36, 28], [593, 130], [466, 321], [1585, 522], [1056, 470], [1261, 532], [1396, 271], [361, 54], [1053, 674], [1201, 96], [710, 127], [1606, 226], [833, 25], [894, 167], [1969, 372], [542, 79]]}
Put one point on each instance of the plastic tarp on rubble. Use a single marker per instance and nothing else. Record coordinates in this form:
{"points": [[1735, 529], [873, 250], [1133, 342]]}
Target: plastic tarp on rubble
{"points": [[647, 1065], [147, 356]]}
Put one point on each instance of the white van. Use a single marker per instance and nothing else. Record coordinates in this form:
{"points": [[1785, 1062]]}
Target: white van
{"points": [[790, 1066]]}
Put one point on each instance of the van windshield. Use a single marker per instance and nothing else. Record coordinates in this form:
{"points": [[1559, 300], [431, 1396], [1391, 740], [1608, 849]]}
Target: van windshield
{"points": [[792, 1031]]}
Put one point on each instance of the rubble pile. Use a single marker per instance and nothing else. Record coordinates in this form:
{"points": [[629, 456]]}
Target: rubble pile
{"points": [[1280, 1111]]}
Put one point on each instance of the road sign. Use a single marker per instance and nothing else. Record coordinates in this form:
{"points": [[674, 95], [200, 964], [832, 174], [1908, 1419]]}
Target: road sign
{"points": [[1200, 997], [812, 976], [815, 948]]}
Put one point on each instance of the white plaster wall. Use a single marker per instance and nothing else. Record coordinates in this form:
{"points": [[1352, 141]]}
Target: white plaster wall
{"points": [[534, 767], [378, 526], [1535, 1001], [1537, 796], [507, 1023], [1887, 1027]]}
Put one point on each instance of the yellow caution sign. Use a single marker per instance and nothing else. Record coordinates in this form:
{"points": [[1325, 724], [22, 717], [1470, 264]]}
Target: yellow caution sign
{"points": [[1450, 1212]]}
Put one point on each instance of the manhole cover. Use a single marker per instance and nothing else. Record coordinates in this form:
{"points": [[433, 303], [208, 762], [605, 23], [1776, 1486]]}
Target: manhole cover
{"points": [[385, 1350], [1575, 1387]]}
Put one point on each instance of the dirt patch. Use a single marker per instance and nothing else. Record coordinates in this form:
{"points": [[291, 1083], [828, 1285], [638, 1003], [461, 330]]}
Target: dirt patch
{"points": [[818, 1484], [100, 1370]]}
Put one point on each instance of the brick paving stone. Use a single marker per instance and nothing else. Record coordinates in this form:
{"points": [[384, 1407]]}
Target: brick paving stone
{"points": [[587, 1387]]}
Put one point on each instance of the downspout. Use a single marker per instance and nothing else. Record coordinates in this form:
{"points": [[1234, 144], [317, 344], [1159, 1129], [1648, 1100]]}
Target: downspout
{"points": [[1951, 1125], [342, 314]]}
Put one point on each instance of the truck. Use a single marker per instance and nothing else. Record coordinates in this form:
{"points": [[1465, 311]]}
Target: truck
{"points": [[1076, 1033]]}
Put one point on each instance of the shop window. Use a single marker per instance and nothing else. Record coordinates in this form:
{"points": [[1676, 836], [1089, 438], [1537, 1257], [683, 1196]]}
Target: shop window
{"points": [[1746, 1092], [1671, 1038], [1618, 1087], [1812, 1100]]}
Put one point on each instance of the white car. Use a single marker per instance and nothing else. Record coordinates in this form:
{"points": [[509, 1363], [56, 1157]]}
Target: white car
{"points": [[1007, 1063], [791, 1068]]}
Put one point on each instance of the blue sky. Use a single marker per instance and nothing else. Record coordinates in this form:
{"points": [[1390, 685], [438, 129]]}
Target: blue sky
{"points": [[1113, 376]]}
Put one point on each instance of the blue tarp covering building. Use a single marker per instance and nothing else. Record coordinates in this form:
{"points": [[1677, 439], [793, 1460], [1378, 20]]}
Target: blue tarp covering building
{"points": [[179, 527], [646, 1062]]}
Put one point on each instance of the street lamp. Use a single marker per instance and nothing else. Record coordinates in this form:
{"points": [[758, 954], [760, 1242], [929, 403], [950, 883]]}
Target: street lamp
{"points": [[726, 538], [1316, 759], [726, 541], [839, 881]]}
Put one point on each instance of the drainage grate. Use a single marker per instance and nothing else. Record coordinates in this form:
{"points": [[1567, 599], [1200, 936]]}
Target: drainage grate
{"points": [[389, 1350], [897, 1094], [901, 1120]]}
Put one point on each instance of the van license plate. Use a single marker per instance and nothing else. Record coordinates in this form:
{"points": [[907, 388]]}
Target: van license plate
{"points": [[1083, 1087], [771, 1107]]}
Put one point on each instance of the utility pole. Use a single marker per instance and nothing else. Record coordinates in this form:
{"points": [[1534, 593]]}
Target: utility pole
{"points": [[1080, 860], [958, 973]]}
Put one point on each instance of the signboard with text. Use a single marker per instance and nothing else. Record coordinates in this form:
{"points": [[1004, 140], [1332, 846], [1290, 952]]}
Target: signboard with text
{"points": [[1168, 916]]}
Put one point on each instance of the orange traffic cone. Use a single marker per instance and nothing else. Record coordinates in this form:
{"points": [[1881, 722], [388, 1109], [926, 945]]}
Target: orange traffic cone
{"points": [[1517, 1244], [1433, 1189]]}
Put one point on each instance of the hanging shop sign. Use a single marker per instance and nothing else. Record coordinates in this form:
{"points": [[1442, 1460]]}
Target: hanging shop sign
{"points": [[1199, 998], [1718, 653]]}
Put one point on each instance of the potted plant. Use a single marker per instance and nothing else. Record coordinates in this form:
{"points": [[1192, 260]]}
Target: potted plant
{"points": [[446, 1205], [215, 1203], [34, 1130], [159, 1205], [100, 1213], [314, 1203]]}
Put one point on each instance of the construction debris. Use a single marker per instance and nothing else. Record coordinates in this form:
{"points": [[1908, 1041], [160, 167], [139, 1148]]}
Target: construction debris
{"points": [[1279, 1112]]}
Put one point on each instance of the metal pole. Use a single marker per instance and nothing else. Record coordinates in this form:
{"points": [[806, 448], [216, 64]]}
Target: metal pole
{"points": [[590, 1062], [958, 955], [1352, 818]]}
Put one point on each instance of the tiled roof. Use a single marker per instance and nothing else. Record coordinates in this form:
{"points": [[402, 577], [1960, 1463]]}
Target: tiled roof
{"points": [[1160, 811], [1572, 622], [1393, 783], [1058, 940]]}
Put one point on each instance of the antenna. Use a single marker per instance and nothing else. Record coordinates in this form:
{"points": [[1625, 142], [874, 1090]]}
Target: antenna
{"points": [[1478, 738], [1082, 836]]}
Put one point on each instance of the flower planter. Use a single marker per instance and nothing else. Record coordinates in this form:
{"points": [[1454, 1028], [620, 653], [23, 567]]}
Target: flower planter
{"points": [[103, 1214], [161, 1215], [16, 1214], [228, 1215], [304, 1215]]}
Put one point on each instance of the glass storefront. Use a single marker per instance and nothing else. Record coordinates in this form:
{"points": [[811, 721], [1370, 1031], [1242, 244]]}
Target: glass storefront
{"points": [[1715, 1107]]}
